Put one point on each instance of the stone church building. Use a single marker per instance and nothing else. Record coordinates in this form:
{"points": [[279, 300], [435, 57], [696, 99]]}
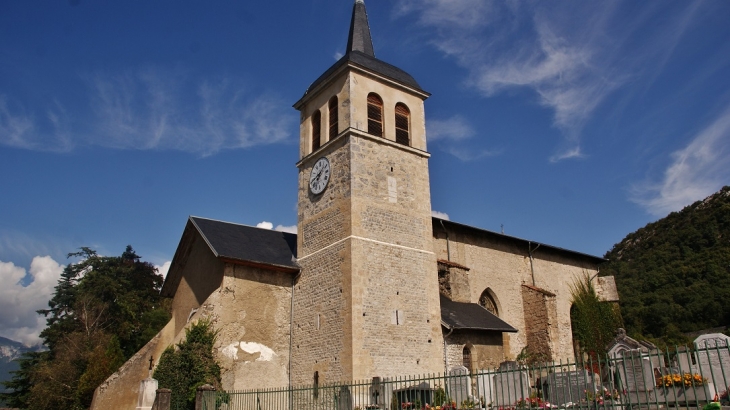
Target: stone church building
{"points": [[372, 284]]}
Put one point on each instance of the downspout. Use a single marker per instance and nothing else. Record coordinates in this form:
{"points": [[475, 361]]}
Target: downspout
{"points": [[446, 356], [532, 262], [448, 245]]}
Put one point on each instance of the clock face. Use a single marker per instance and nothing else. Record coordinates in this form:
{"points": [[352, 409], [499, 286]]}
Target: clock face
{"points": [[320, 176]]}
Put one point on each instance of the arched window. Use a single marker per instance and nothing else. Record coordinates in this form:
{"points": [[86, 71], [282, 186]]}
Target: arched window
{"points": [[316, 130], [402, 122], [375, 115], [486, 300], [466, 357], [333, 118]]}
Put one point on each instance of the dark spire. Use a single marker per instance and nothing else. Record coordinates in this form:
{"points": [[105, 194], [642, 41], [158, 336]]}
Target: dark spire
{"points": [[359, 39]]}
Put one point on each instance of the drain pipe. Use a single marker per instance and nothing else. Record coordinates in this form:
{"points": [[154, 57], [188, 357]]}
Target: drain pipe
{"points": [[532, 262], [448, 245], [446, 356]]}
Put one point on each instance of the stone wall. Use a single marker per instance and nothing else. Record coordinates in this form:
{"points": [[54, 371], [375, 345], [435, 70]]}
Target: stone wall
{"points": [[201, 274], [540, 321], [120, 391], [321, 322], [503, 264], [486, 348], [251, 312]]}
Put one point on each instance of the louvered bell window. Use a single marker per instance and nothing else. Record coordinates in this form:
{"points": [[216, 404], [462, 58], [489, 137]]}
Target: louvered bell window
{"points": [[333, 117], [375, 115], [402, 120], [316, 130]]}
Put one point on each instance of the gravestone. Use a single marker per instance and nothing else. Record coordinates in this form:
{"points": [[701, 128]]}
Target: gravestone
{"points": [[459, 384], [713, 359], [636, 371], [485, 386], [146, 395], [344, 399], [685, 360], [510, 384], [569, 387]]}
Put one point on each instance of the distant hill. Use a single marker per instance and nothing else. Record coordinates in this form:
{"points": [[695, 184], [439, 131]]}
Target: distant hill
{"points": [[9, 351], [673, 275]]}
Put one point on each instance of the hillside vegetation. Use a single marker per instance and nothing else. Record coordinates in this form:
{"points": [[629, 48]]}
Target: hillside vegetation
{"points": [[673, 275]]}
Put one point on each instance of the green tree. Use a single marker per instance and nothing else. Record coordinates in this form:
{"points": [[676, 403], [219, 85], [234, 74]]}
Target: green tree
{"points": [[594, 322], [189, 365], [673, 275], [102, 311]]}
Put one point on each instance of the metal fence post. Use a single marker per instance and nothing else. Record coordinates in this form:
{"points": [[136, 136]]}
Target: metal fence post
{"points": [[203, 402]]}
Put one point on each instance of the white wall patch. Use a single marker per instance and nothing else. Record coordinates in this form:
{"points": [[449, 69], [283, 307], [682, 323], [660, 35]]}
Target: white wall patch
{"points": [[266, 355], [392, 190]]}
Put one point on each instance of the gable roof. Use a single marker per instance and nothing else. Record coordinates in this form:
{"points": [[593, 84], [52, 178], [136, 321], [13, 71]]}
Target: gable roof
{"points": [[441, 224], [248, 244], [470, 316]]}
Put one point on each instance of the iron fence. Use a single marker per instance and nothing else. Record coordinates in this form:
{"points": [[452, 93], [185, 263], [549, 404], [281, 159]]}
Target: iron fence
{"points": [[632, 379]]}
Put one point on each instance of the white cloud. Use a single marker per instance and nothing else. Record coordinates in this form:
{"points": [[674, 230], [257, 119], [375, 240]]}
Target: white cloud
{"points": [[440, 215], [18, 304], [573, 152], [265, 225], [290, 229], [280, 228], [571, 55], [466, 154], [153, 108], [162, 270], [696, 171], [455, 128]]}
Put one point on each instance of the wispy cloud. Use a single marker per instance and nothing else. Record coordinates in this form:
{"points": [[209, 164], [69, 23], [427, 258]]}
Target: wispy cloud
{"points": [[467, 154], [696, 171], [455, 128], [153, 108], [571, 55], [18, 303]]}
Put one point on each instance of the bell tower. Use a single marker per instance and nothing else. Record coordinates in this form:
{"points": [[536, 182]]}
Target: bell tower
{"points": [[366, 302]]}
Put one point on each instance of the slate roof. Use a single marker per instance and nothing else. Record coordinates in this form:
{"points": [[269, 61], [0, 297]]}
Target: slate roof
{"points": [[360, 52], [470, 316], [441, 224], [359, 38], [247, 243]]}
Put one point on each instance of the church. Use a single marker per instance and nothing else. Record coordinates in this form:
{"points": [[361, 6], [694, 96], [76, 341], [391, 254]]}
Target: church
{"points": [[372, 285]]}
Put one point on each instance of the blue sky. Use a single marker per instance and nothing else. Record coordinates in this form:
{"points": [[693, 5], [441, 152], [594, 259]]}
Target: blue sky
{"points": [[569, 123]]}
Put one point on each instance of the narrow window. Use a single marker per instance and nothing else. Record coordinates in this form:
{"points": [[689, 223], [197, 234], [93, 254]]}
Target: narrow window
{"points": [[402, 121], [333, 117], [316, 130], [375, 115], [315, 390], [466, 357]]}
